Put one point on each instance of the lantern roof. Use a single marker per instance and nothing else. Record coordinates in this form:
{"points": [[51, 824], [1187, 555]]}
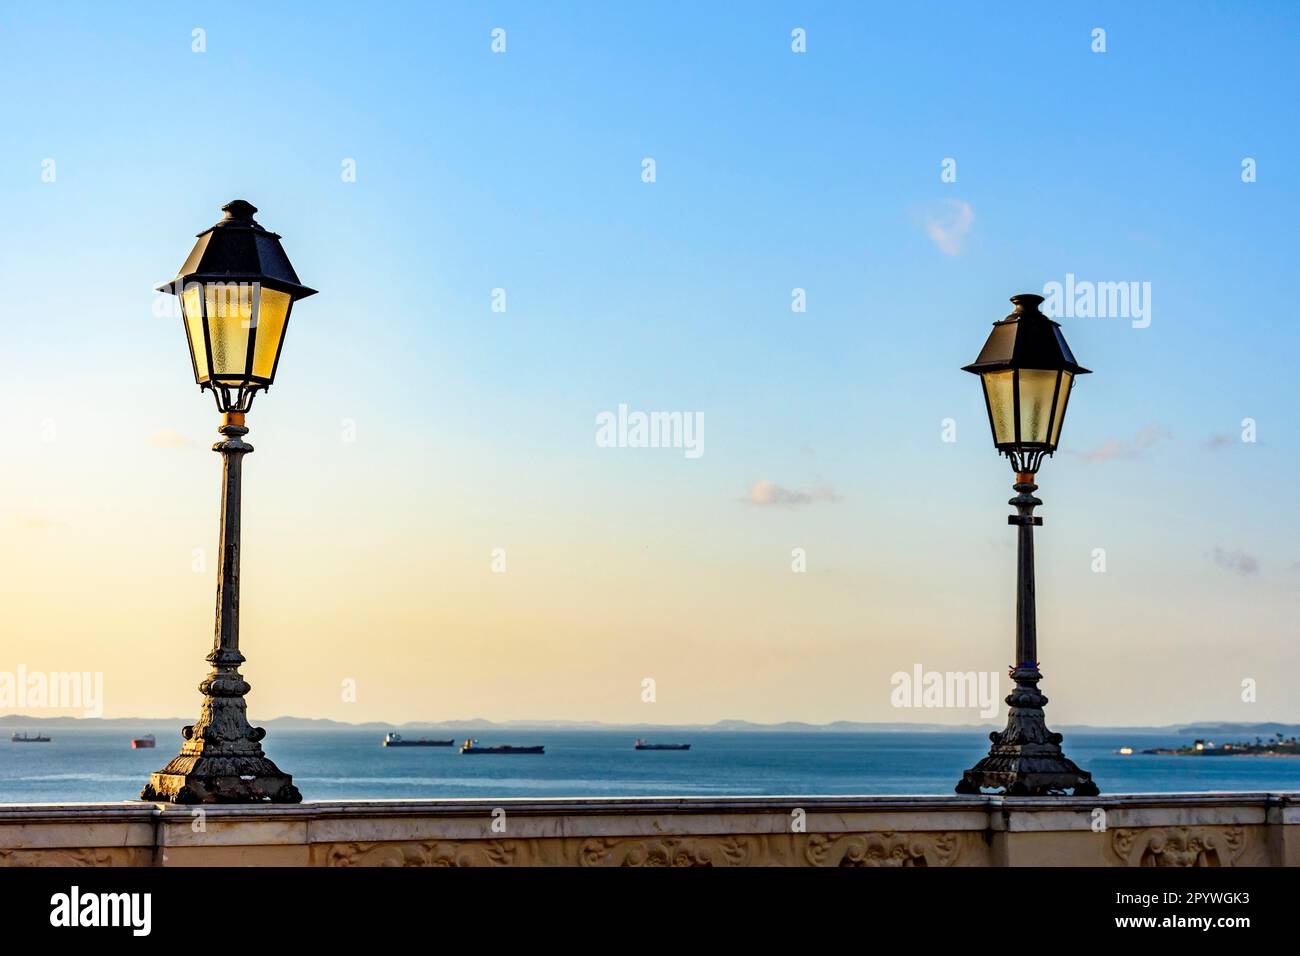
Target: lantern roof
{"points": [[239, 249], [1025, 339]]}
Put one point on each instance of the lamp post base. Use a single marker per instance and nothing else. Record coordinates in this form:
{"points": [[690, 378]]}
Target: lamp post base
{"points": [[211, 770], [225, 787], [222, 760], [1028, 775], [1026, 759]]}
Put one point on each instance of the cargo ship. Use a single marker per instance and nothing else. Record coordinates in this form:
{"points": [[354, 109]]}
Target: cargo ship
{"points": [[642, 745], [472, 747], [22, 738], [143, 743], [395, 740]]}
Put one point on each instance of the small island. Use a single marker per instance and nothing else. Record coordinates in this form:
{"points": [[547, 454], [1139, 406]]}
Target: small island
{"points": [[1278, 746]]}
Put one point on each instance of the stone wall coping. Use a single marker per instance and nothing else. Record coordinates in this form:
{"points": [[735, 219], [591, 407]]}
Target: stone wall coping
{"points": [[138, 811], [1257, 828]]}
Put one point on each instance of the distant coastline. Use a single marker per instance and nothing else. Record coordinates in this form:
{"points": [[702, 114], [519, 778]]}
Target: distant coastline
{"points": [[1208, 728], [1279, 746]]}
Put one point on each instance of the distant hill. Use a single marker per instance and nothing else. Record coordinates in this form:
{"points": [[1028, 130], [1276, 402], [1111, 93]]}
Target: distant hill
{"points": [[1211, 729], [1227, 729]]}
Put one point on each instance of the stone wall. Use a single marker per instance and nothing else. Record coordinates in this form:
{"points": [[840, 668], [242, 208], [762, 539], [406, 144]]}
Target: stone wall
{"points": [[1224, 829]]}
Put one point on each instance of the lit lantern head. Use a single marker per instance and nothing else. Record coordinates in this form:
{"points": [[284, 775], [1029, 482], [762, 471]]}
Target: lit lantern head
{"points": [[1027, 371], [236, 290]]}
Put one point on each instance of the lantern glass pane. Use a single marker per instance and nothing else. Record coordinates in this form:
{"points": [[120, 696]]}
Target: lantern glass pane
{"points": [[272, 311], [999, 392], [230, 316], [1037, 386], [192, 308], [1067, 380]]}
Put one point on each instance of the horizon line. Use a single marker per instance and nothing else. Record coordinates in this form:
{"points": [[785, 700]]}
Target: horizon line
{"points": [[895, 726]]}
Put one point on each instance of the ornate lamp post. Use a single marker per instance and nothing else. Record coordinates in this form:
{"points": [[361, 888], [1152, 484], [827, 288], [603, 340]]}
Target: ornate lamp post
{"points": [[1027, 372], [236, 291]]}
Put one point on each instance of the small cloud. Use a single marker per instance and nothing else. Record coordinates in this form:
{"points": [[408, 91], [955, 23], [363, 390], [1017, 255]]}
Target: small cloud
{"points": [[168, 438], [1111, 449], [1238, 561], [765, 494], [1221, 440], [1149, 436], [1115, 448], [947, 223]]}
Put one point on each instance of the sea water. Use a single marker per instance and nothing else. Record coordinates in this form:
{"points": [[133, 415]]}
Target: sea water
{"points": [[347, 764]]}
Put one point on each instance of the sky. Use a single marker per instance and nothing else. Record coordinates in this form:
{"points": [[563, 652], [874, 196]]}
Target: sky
{"points": [[432, 530]]}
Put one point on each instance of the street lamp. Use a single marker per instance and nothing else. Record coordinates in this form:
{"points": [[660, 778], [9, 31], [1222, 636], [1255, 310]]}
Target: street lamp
{"points": [[1027, 372], [236, 291]]}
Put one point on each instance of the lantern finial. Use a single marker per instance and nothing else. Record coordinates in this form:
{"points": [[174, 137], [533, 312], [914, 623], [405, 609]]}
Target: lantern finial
{"points": [[240, 210], [1025, 302]]}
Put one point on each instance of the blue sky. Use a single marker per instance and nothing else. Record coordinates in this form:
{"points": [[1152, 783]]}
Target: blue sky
{"points": [[774, 170]]}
